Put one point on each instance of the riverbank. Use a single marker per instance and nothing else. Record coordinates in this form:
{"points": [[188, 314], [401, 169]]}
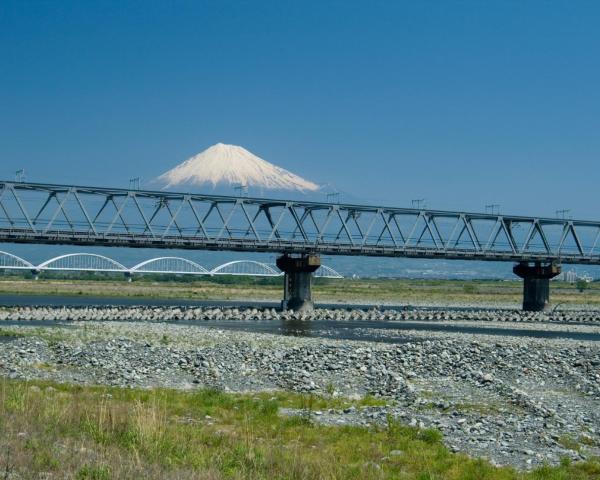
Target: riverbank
{"points": [[513, 399], [55, 430], [327, 291]]}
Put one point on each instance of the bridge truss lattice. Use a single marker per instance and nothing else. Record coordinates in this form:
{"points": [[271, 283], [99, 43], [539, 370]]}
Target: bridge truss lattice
{"points": [[59, 214]]}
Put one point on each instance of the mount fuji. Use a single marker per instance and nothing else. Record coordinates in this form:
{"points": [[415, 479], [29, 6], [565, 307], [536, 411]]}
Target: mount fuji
{"points": [[229, 166]]}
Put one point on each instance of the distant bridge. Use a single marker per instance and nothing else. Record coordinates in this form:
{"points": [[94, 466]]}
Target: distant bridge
{"points": [[91, 262]]}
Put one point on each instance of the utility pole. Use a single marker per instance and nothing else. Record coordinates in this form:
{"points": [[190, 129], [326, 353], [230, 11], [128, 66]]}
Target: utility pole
{"points": [[20, 175], [134, 183], [333, 197], [241, 190], [418, 203], [564, 213], [493, 208]]}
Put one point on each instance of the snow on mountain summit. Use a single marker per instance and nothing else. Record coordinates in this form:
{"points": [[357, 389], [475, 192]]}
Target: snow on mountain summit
{"points": [[233, 165]]}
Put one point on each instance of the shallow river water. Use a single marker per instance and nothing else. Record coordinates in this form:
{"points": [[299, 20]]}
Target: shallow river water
{"points": [[388, 332]]}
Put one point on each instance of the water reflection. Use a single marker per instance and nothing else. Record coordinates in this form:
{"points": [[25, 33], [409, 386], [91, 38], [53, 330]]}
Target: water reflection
{"points": [[296, 328]]}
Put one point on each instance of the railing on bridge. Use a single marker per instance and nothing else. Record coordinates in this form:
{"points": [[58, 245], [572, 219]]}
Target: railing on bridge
{"points": [[91, 262], [327, 272], [8, 261], [82, 262], [42, 213], [175, 265], [246, 267]]}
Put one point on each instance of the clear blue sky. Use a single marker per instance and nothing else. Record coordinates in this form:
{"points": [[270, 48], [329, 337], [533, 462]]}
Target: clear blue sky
{"points": [[461, 102]]}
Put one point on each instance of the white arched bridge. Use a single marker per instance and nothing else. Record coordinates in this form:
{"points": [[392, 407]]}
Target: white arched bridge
{"points": [[92, 262]]}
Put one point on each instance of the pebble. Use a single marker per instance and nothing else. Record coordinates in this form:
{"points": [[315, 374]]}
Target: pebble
{"points": [[508, 398], [172, 313]]}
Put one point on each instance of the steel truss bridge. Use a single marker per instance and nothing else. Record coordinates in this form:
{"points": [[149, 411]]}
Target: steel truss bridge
{"points": [[91, 262], [79, 215]]}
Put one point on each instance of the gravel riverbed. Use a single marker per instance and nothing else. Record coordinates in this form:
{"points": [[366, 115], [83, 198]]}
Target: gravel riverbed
{"points": [[513, 399], [161, 313]]}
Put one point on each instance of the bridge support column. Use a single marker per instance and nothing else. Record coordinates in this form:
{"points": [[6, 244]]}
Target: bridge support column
{"points": [[536, 284], [297, 281]]}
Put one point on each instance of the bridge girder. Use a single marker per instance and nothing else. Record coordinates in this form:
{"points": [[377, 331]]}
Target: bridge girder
{"points": [[79, 215]]}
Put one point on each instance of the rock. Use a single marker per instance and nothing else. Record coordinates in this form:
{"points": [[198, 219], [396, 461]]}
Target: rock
{"points": [[486, 394]]}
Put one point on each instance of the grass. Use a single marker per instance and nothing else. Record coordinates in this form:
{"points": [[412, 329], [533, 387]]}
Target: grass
{"points": [[324, 290], [107, 433], [10, 333], [569, 442], [577, 444], [51, 335]]}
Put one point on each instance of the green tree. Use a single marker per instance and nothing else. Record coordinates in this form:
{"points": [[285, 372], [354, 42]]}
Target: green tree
{"points": [[582, 285]]}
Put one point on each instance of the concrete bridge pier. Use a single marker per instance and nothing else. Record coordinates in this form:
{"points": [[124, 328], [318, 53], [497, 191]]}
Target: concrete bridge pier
{"points": [[536, 284], [297, 280]]}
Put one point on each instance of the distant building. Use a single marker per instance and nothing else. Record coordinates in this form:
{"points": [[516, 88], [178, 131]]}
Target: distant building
{"points": [[571, 276]]}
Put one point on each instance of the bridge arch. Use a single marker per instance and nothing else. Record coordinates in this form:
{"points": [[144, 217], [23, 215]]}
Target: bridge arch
{"points": [[327, 272], [246, 267], [175, 265], [10, 261], [84, 262]]}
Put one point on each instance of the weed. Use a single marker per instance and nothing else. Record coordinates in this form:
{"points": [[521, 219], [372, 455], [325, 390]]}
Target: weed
{"points": [[430, 435], [43, 366], [88, 472], [307, 407], [570, 443], [5, 332], [167, 434], [371, 401]]}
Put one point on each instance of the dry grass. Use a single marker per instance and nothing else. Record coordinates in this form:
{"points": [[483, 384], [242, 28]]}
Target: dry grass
{"points": [[58, 431], [356, 291]]}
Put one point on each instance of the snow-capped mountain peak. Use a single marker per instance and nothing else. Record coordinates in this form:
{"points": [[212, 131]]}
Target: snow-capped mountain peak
{"points": [[232, 165]]}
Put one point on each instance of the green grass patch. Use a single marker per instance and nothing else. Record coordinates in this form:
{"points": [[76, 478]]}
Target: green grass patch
{"points": [[366, 290], [576, 443], [10, 333], [569, 442], [134, 433]]}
